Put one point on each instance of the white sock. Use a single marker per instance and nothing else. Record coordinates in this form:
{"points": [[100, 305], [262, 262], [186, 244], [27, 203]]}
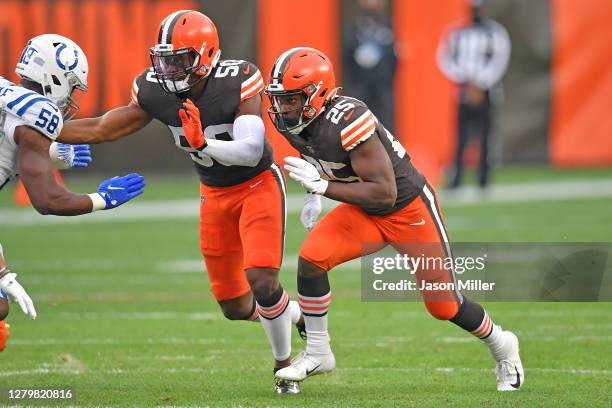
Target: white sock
{"points": [[317, 340], [276, 321], [295, 311], [315, 317], [493, 336]]}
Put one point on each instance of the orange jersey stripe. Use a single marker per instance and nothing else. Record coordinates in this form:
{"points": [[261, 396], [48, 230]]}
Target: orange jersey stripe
{"points": [[357, 123], [253, 90], [359, 137]]}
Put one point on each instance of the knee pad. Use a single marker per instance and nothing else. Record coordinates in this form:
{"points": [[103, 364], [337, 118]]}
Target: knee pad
{"points": [[442, 310], [318, 255], [261, 259]]}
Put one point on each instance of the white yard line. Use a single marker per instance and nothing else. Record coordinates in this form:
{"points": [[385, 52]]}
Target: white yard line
{"points": [[197, 265], [376, 341], [447, 370], [189, 208]]}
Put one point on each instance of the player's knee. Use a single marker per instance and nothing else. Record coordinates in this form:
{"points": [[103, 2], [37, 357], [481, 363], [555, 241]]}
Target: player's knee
{"points": [[264, 282], [308, 270], [4, 309], [442, 310], [232, 312]]}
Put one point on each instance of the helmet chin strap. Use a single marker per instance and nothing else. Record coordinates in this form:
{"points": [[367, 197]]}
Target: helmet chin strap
{"points": [[308, 111]]}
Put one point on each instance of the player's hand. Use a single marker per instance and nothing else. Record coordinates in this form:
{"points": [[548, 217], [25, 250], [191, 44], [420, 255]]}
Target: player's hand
{"points": [[120, 190], [311, 211], [306, 174], [65, 156], [16, 292], [190, 119]]}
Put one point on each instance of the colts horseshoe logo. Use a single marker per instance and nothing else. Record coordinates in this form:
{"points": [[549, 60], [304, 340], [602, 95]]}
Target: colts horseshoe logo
{"points": [[65, 65]]}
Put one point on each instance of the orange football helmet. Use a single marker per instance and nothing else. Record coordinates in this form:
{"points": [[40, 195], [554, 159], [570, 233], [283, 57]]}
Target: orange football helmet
{"points": [[186, 52], [301, 82]]}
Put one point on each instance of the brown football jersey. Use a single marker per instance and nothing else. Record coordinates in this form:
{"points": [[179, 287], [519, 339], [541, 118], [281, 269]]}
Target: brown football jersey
{"points": [[342, 127], [230, 83]]}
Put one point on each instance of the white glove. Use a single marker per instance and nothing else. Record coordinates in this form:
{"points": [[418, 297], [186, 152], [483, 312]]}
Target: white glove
{"points": [[17, 293], [311, 211], [306, 174]]}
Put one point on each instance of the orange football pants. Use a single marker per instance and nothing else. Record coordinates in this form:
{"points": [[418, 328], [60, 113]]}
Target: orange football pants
{"points": [[242, 227], [347, 232]]}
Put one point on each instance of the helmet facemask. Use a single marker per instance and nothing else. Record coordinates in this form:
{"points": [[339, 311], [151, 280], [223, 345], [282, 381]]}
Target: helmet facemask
{"points": [[291, 111], [178, 70], [69, 105]]}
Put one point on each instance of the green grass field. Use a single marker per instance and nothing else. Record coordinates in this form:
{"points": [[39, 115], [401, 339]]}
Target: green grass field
{"points": [[123, 325]]}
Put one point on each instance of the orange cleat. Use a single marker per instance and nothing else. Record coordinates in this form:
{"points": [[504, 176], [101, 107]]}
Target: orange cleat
{"points": [[4, 334]]}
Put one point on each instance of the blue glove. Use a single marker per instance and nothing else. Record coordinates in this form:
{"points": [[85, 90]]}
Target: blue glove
{"points": [[65, 156], [120, 190], [82, 155]]}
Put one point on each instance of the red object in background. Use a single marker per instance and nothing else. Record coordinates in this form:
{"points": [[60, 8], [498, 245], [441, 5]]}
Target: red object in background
{"points": [[114, 34], [425, 101], [581, 124], [276, 33], [21, 198], [4, 334]]}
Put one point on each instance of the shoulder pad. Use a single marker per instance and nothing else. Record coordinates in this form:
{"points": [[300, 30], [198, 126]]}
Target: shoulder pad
{"points": [[36, 111], [144, 79], [252, 82], [355, 121]]}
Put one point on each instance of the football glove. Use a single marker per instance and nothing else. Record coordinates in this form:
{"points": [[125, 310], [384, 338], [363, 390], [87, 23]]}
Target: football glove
{"points": [[311, 211], [16, 292], [117, 191], [65, 156], [190, 119], [306, 174]]}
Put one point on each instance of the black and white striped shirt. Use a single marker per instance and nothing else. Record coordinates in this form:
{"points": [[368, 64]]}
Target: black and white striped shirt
{"points": [[478, 53]]}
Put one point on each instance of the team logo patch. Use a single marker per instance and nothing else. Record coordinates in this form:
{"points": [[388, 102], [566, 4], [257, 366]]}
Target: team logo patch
{"points": [[202, 200], [66, 64]]}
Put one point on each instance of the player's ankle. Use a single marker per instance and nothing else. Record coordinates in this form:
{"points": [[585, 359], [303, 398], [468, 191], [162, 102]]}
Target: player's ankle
{"points": [[319, 349]]}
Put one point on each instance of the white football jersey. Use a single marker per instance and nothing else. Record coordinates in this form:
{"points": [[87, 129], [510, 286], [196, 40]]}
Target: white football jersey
{"points": [[22, 107]]}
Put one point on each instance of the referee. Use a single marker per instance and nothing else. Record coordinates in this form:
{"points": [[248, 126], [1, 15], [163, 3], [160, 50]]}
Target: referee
{"points": [[475, 57]]}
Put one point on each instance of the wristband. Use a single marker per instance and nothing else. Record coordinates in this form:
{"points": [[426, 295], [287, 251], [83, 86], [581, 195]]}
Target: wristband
{"points": [[98, 203]]}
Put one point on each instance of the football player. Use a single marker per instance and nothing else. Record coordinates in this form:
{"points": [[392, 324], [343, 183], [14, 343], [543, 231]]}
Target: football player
{"points": [[53, 70], [349, 156], [212, 108]]}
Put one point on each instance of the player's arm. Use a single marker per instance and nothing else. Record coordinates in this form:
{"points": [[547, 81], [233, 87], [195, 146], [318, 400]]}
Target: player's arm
{"points": [[36, 173], [113, 125], [377, 188], [48, 197], [372, 164]]}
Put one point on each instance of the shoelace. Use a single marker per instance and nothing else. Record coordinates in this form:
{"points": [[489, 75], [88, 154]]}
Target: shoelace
{"points": [[302, 359], [506, 368]]}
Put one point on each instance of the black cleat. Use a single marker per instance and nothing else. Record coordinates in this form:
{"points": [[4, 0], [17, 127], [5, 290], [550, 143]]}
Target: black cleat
{"points": [[301, 329]]}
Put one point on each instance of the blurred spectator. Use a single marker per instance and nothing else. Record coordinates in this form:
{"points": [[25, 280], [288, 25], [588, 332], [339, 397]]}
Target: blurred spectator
{"points": [[475, 57], [369, 59]]}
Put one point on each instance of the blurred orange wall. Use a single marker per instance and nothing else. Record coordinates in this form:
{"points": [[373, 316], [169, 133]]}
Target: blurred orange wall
{"points": [[581, 119], [114, 34], [425, 105], [283, 24]]}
